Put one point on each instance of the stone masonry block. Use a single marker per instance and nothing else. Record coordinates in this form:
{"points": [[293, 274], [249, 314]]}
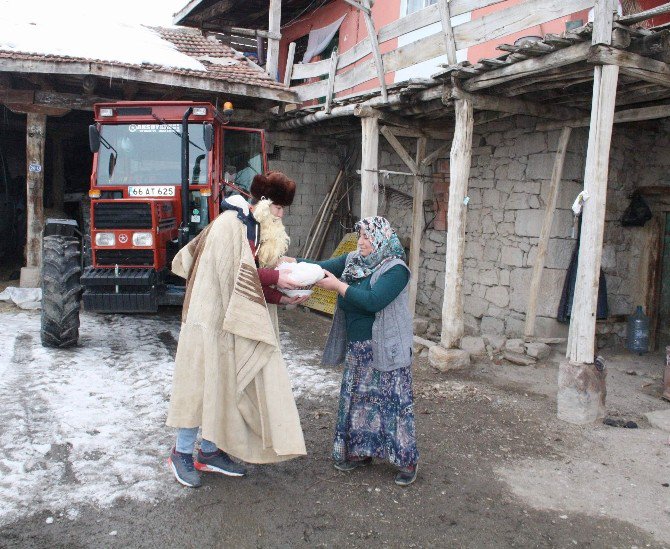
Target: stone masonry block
{"points": [[445, 360], [498, 295]]}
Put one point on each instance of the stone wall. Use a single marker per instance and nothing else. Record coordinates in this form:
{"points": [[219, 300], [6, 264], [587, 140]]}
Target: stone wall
{"points": [[509, 184], [313, 162]]}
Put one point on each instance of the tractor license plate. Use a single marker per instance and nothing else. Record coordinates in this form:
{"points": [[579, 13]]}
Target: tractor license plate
{"points": [[151, 190]]}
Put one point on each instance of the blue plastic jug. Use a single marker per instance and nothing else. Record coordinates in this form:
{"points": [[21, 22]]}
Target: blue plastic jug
{"points": [[637, 334]]}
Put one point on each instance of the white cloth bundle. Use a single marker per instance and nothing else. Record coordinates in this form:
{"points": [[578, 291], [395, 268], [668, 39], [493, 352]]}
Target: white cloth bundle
{"points": [[304, 274]]}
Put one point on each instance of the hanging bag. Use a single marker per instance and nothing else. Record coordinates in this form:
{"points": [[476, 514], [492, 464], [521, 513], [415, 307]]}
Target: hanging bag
{"points": [[637, 213]]}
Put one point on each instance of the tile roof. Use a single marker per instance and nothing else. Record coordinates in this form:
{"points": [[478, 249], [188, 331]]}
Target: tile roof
{"points": [[221, 61]]}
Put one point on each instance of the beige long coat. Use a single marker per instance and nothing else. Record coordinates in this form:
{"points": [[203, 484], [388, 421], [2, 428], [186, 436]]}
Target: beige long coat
{"points": [[230, 377]]}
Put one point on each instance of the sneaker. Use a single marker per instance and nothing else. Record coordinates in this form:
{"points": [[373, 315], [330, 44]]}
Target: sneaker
{"points": [[183, 469], [406, 476], [219, 462], [351, 464]]}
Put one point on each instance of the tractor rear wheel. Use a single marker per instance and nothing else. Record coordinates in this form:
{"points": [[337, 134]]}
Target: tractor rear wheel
{"points": [[61, 291]]}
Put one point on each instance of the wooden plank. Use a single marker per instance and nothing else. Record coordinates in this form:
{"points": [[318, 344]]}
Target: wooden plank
{"points": [[369, 166], [632, 64], [461, 158], [449, 41], [581, 340], [429, 16], [315, 69], [543, 243], [162, 78], [644, 15], [620, 117], [274, 27], [513, 106], [376, 54], [331, 80], [524, 15], [36, 127], [417, 224], [289, 64], [560, 58], [364, 8], [602, 23], [432, 157], [399, 149]]}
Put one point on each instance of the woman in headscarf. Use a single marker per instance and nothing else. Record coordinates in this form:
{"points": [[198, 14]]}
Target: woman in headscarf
{"points": [[372, 334]]}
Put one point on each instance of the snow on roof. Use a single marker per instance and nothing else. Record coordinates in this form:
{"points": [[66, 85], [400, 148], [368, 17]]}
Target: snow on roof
{"points": [[55, 32]]}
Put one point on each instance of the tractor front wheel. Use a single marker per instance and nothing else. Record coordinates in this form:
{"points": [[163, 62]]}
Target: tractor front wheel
{"points": [[61, 291]]}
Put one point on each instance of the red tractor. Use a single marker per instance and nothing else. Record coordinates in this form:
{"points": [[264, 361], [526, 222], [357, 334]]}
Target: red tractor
{"points": [[160, 170]]}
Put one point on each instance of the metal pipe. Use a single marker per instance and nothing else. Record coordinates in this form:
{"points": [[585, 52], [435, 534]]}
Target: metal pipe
{"points": [[184, 228]]}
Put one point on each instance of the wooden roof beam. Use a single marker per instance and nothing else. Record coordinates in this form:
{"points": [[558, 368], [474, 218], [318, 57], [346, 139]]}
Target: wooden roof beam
{"points": [[510, 105], [620, 117], [632, 64]]}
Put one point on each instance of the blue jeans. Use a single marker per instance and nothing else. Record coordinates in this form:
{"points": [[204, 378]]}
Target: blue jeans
{"points": [[186, 441]]}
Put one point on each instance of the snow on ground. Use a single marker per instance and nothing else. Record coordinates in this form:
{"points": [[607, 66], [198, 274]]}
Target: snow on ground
{"points": [[86, 425], [53, 30]]}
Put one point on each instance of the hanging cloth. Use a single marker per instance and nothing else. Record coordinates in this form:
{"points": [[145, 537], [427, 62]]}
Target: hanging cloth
{"points": [[568, 294], [320, 38]]}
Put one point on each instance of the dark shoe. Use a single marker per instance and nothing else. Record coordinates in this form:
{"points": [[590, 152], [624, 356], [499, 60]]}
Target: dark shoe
{"points": [[219, 462], [351, 464], [183, 469], [406, 475]]}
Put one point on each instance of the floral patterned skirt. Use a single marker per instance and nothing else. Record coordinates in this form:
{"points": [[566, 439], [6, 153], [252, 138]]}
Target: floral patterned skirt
{"points": [[376, 412]]}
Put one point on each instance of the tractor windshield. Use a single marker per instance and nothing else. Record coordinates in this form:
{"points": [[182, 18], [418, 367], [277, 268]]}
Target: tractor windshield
{"points": [[149, 154], [242, 156]]}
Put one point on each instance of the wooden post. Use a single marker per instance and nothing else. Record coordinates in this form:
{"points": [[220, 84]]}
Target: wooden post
{"points": [[274, 30], [417, 225], [449, 40], [543, 243], [376, 54], [461, 153], [369, 165], [35, 134], [581, 386], [288, 72], [331, 80]]}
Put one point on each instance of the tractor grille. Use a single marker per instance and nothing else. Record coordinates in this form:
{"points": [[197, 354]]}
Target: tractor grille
{"points": [[124, 257], [122, 215]]}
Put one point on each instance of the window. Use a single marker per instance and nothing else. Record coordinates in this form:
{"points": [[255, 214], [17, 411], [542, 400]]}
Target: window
{"points": [[416, 5]]}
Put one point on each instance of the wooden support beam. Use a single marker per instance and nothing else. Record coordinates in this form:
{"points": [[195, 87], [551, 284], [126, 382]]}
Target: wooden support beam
{"points": [[417, 224], [400, 150], [581, 339], [432, 157], [391, 118], [289, 64], [274, 29], [620, 117], [376, 53], [461, 158], [35, 137], [369, 165], [449, 41], [331, 80], [529, 67], [511, 106], [644, 15], [27, 108], [632, 64], [359, 6], [543, 243]]}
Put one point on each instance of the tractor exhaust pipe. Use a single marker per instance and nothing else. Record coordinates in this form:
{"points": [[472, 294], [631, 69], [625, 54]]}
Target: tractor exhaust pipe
{"points": [[184, 227]]}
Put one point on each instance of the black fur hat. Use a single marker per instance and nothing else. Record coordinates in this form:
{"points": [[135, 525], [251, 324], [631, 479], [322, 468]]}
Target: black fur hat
{"points": [[275, 186]]}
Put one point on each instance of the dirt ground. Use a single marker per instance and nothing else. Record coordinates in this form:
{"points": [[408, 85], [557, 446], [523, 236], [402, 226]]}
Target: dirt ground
{"points": [[497, 469]]}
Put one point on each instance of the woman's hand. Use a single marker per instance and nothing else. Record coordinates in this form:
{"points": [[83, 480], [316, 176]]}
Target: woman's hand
{"points": [[331, 282], [286, 259], [286, 282]]}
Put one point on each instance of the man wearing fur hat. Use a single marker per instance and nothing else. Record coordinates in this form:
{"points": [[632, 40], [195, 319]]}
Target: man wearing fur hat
{"points": [[230, 378]]}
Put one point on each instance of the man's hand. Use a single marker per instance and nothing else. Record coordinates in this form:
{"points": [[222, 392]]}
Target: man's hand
{"points": [[287, 259], [297, 300], [286, 282]]}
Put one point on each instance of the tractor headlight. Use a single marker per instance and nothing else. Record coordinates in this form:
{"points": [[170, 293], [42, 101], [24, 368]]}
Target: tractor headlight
{"points": [[143, 239], [105, 239]]}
